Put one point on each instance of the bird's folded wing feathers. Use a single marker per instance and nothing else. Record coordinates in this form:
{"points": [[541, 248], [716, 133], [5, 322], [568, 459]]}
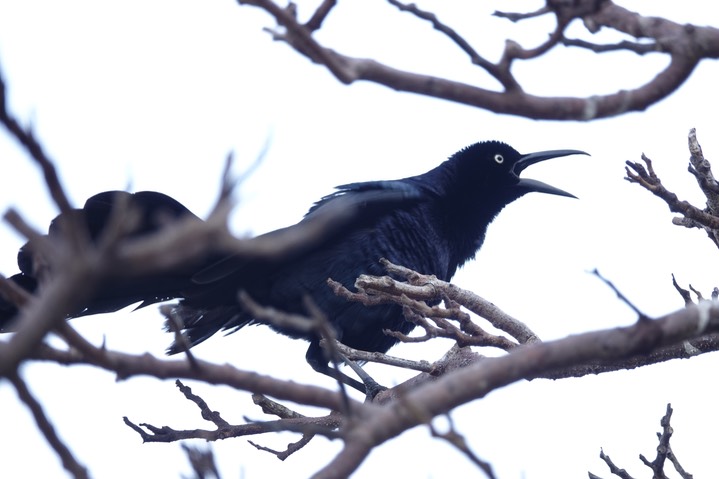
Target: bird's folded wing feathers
{"points": [[354, 205]]}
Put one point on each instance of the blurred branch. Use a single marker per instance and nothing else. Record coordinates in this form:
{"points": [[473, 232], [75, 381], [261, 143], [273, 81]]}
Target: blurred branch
{"points": [[453, 437], [27, 139], [686, 296], [202, 462], [69, 462], [128, 365], [518, 16], [315, 23], [684, 45]]}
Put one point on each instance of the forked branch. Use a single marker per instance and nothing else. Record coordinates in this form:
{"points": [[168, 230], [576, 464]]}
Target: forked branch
{"points": [[684, 45]]}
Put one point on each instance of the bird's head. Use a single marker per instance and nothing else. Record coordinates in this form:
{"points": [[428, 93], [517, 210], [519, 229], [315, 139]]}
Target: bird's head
{"points": [[494, 168]]}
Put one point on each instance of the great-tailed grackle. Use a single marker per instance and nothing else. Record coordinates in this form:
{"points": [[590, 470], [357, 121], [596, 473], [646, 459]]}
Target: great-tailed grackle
{"points": [[432, 223]]}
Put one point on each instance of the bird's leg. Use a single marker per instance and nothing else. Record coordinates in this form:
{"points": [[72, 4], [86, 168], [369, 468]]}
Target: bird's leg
{"points": [[372, 387], [317, 358]]}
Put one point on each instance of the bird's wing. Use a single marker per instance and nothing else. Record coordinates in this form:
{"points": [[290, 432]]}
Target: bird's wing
{"points": [[156, 210], [372, 196], [352, 206]]}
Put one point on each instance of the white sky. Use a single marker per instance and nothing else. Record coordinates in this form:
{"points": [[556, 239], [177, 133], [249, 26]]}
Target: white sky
{"points": [[155, 94]]}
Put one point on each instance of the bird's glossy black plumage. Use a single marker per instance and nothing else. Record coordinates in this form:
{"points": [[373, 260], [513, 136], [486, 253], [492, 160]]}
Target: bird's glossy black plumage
{"points": [[432, 223]]}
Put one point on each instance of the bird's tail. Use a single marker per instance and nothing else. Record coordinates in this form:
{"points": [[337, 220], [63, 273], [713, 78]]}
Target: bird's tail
{"points": [[198, 324], [155, 209]]}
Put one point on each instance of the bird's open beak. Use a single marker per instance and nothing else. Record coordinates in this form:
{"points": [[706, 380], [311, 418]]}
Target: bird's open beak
{"points": [[529, 185]]}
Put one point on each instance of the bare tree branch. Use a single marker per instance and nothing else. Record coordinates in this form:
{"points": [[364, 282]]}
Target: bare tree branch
{"points": [[27, 139], [207, 413], [128, 365], [501, 74], [706, 218], [274, 408], [619, 294], [457, 440], [612, 468], [420, 288], [477, 379], [685, 45], [462, 375], [309, 427], [686, 296], [375, 357], [315, 23], [664, 452], [650, 181], [518, 16]]}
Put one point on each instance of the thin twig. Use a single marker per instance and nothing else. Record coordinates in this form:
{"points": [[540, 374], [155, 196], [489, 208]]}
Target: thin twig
{"points": [[315, 23], [458, 441], [518, 16], [27, 139], [620, 295]]}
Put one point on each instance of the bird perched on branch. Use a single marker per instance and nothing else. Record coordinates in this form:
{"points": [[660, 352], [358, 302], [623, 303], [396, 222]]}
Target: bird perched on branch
{"points": [[432, 223]]}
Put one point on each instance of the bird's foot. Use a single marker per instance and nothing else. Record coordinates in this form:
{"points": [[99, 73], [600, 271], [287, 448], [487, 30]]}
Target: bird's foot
{"points": [[372, 388]]}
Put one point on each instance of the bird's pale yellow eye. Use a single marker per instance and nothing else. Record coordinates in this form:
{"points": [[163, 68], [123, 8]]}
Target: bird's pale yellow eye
{"points": [[499, 159]]}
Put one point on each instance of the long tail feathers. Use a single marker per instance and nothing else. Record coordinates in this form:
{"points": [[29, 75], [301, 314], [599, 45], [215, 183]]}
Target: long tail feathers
{"points": [[199, 324], [156, 210]]}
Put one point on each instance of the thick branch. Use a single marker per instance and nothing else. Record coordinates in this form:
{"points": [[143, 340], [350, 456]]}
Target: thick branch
{"points": [[128, 365]]}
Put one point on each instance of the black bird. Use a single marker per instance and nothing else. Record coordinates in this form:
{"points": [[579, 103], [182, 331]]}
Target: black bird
{"points": [[432, 223]]}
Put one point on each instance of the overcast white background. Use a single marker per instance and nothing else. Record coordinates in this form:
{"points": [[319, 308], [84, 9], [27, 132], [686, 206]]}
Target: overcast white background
{"points": [[153, 95]]}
